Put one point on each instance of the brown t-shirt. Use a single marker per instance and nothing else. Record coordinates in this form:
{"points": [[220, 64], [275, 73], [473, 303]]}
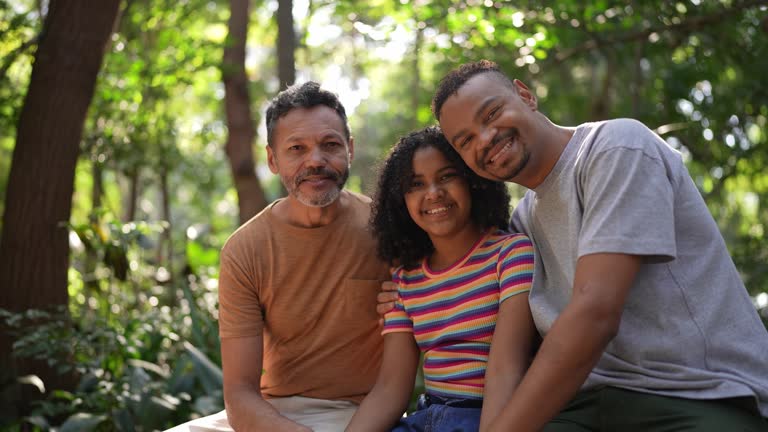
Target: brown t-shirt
{"points": [[311, 292]]}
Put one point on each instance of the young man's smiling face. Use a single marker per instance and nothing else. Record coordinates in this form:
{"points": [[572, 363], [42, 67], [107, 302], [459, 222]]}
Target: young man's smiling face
{"points": [[492, 124]]}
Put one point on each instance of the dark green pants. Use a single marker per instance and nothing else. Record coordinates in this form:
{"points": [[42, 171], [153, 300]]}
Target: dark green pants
{"points": [[613, 409]]}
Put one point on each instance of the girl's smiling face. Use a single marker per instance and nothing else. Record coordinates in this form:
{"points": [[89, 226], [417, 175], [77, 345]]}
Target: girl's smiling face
{"points": [[438, 197]]}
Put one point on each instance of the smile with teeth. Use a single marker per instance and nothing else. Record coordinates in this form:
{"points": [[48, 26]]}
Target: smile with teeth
{"points": [[506, 147], [438, 210]]}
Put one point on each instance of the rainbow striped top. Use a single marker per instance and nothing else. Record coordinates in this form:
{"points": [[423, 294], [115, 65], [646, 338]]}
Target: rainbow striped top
{"points": [[452, 312]]}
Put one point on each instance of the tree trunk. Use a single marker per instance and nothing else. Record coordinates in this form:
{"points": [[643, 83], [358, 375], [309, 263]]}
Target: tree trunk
{"points": [[286, 44], [601, 103], [91, 256], [34, 250], [132, 199], [165, 246], [415, 71], [286, 51], [242, 132]]}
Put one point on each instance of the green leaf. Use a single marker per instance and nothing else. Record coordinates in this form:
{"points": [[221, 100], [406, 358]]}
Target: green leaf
{"points": [[123, 420], [199, 256], [38, 421], [82, 422], [210, 375], [33, 380], [149, 366], [207, 405]]}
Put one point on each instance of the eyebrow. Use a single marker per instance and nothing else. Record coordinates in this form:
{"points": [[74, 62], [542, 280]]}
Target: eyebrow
{"points": [[329, 135], [478, 114], [448, 167], [333, 135]]}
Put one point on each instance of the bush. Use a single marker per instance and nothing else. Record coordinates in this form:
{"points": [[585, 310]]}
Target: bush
{"points": [[136, 373], [142, 344]]}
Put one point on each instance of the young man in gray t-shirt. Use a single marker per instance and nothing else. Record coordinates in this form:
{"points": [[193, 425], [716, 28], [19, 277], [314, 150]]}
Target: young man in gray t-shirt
{"points": [[646, 323]]}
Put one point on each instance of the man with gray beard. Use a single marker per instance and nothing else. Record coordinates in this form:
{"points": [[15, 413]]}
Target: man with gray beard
{"points": [[300, 344]]}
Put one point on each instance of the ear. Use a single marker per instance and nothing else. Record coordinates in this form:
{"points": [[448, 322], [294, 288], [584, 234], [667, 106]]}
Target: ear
{"points": [[271, 160], [351, 148], [526, 95]]}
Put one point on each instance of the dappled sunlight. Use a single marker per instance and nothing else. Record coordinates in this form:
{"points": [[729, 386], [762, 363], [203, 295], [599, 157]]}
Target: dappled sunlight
{"points": [[125, 274]]}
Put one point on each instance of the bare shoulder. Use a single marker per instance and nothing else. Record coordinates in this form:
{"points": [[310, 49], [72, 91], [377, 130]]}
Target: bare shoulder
{"points": [[356, 198], [357, 204]]}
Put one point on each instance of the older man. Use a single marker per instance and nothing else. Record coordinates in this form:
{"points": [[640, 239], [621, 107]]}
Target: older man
{"points": [[297, 290]]}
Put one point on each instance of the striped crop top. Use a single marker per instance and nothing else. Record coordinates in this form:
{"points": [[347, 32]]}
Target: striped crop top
{"points": [[452, 312]]}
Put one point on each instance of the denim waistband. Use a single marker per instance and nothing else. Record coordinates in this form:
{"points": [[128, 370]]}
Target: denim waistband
{"points": [[427, 399]]}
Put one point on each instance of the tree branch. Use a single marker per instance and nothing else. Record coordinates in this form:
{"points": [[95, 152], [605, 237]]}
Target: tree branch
{"points": [[687, 25], [11, 57]]}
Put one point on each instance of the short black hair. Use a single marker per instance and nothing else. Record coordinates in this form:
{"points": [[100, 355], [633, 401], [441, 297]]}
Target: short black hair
{"points": [[451, 83], [305, 95], [400, 240]]}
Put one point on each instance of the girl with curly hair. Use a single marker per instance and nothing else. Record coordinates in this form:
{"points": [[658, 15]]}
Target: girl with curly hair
{"points": [[460, 276]]}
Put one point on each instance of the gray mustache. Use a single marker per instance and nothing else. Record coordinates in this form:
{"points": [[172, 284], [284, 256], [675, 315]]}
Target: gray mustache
{"points": [[324, 172]]}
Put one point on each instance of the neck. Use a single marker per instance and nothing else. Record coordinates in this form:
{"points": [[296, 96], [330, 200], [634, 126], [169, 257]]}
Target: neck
{"points": [[297, 214], [554, 142], [450, 249]]}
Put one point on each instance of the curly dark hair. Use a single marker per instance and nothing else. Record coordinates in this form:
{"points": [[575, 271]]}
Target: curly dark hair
{"points": [[451, 83], [400, 240], [305, 95]]}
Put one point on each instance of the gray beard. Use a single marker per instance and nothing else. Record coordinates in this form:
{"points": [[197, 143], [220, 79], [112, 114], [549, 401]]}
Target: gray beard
{"points": [[316, 200]]}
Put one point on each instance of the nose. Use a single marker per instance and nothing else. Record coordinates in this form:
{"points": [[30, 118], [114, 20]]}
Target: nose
{"points": [[316, 157], [434, 192], [485, 138]]}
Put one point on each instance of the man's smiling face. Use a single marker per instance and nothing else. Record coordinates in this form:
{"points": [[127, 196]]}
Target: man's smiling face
{"points": [[311, 154], [491, 123]]}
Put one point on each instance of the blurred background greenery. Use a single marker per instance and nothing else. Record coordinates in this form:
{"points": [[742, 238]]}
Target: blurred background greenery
{"points": [[123, 334]]}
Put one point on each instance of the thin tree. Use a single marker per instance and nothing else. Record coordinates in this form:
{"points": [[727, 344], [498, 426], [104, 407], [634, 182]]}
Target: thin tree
{"points": [[286, 44], [239, 146]]}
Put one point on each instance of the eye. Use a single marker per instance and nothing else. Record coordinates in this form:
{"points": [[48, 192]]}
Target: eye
{"points": [[294, 148], [463, 143], [415, 184], [492, 113], [448, 176]]}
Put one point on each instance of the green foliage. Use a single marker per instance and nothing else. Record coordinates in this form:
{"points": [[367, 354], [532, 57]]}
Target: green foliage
{"points": [[135, 372], [141, 329], [145, 347], [19, 25]]}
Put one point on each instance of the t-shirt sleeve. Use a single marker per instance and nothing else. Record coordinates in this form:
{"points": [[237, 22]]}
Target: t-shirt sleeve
{"points": [[628, 199], [515, 267], [240, 312], [519, 222], [397, 320]]}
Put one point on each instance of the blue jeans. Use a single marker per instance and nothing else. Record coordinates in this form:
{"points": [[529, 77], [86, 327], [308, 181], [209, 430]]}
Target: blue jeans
{"points": [[440, 418]]}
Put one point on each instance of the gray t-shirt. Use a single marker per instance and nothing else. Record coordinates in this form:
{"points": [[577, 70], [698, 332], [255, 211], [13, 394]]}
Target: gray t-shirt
{"points": [[689, 328]]}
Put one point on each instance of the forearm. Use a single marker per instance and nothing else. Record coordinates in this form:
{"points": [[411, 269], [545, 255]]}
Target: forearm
{"points": [[499, 388], [509, 357], [388, 400], [569, 352], [380, 410], [248, 411], [575, 342]]}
